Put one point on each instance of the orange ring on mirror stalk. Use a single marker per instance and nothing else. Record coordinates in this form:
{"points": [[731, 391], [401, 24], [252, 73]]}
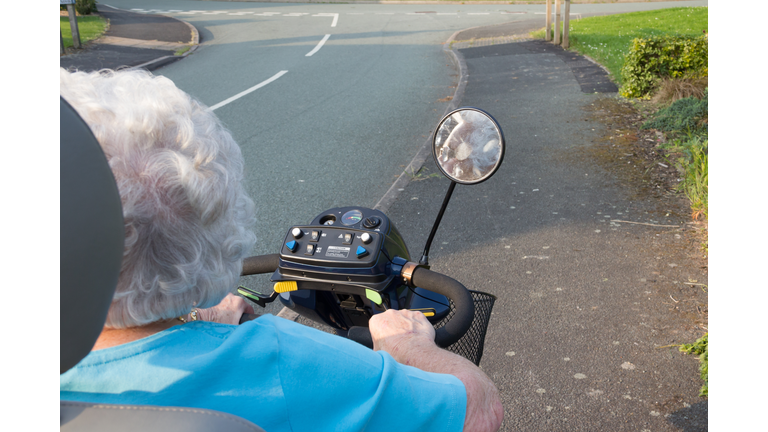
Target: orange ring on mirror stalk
{"points": [[407, 272]]}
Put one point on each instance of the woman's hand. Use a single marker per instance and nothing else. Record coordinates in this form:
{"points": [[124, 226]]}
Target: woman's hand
{"points": [[228, 311], [397, 331]]}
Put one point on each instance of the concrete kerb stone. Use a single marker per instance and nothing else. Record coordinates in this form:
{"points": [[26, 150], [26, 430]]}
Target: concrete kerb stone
{"points": [[162, 61], [426, 148], [473, 43], [469, 43]]}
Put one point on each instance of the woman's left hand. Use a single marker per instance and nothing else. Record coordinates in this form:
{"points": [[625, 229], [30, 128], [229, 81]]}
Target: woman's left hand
{"points": [[228, 311]]}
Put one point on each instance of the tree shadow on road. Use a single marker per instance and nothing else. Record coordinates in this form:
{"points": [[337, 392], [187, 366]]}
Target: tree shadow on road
{"points": [[691, 419]]}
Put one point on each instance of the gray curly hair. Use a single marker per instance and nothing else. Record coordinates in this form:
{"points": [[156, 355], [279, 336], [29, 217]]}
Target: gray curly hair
{"points": [[180, 176]]}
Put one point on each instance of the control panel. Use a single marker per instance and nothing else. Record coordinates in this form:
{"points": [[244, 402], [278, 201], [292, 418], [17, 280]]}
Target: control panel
{"points": [[331, 246]]}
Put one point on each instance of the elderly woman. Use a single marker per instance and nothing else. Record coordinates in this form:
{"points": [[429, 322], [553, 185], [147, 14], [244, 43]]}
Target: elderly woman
{"points": [[169, 337]]}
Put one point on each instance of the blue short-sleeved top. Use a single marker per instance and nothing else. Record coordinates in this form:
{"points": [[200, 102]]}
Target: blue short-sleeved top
{"points": [[278, 374]]}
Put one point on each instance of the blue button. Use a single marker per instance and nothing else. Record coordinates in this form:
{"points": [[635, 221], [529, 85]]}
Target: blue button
{"points": [[292, 245], [361, 252]]}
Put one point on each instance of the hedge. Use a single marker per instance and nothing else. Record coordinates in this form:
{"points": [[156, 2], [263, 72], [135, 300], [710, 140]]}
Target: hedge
{"points": [[649, 60]]}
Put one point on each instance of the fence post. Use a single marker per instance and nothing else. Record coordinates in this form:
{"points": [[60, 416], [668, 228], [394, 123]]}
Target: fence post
{"points": [[548, 36], [566, 23], [73, 25], [557, 22]]}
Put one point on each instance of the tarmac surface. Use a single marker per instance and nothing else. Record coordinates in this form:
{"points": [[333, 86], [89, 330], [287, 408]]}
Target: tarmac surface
{"points": [[134, 40], [575, 339], [582, 263]]}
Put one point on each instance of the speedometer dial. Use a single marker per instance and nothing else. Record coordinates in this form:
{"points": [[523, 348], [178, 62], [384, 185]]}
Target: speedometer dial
{"points": [[351, 217]]}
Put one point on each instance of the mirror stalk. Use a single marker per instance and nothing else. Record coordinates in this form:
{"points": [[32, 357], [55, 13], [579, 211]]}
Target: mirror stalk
{"points": [[424, 261]]}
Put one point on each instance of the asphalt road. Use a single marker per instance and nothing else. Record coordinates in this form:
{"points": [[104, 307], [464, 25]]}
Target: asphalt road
{"points": [[584, 301], [340, 125]]}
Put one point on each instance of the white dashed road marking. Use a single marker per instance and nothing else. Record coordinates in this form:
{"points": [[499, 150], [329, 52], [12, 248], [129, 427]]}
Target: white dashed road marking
{"points": [[250, 90], [334, 15], [319, 45]]}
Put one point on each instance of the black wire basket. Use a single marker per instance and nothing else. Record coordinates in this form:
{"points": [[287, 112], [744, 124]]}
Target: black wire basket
{"points": [[470, 346]]}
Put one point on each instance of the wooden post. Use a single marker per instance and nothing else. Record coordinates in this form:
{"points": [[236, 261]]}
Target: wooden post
{"points": [[566, 23], [73, 25], [548, 36], [557, 22]]}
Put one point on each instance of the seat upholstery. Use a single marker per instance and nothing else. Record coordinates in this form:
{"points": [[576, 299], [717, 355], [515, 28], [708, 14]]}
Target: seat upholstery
{"points": [[87, 417]]}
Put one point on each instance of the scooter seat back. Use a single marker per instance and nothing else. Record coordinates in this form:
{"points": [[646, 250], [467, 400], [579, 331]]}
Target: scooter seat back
{"points": [[87, 417], [92, 237]]}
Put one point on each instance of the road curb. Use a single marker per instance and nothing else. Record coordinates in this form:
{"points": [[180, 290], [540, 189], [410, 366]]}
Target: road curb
{"points": [[166, 60], [426, 148]]}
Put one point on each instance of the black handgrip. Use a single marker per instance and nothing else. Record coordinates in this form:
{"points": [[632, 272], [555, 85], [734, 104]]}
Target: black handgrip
{"points": [[361, 335], [464, 311], [455, 328], [260, 264], [248, 317]]}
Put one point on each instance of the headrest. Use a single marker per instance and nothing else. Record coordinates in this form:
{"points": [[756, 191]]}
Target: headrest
{"points": [[92, 237]]}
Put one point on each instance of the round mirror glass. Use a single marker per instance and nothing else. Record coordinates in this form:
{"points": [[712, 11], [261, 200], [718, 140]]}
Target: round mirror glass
{"points": [[468, 146]]}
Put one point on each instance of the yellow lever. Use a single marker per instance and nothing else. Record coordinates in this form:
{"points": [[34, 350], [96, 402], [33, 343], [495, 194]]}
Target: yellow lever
{"points": [[428, 312], [286, 286]]}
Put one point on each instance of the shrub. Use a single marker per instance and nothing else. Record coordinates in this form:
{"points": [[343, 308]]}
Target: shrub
{"points": [[700, 348], [649, 60], [82, 7], [688, 115], [85, 7], [672, 89]]}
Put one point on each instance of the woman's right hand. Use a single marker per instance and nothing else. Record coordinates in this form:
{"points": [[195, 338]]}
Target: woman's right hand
{"points": [[395, 331]]}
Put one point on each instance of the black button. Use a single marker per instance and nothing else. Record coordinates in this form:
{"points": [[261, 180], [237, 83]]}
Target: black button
{"points": [[371, 222], [348, 237], [310, 249], [315, 235]]}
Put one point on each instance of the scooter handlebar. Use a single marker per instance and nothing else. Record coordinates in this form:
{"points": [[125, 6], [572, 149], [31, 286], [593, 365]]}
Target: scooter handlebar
{"points": [[445, 336], [257, 265], [260, 264], [455, 328], [248, 317]]}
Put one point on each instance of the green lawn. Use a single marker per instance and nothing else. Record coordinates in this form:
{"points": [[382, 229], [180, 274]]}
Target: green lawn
{"points": [[607, 38], [90, 27]]}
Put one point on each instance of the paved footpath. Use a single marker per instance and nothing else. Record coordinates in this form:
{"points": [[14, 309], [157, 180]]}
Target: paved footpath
{"points": [[134, 40], [591, 273]]}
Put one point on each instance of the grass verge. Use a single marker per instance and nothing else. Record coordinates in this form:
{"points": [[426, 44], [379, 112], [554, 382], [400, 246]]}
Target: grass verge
{"points": [[691, 158], [685, 121], [607, 38], [91, 27], [701, 349]]}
